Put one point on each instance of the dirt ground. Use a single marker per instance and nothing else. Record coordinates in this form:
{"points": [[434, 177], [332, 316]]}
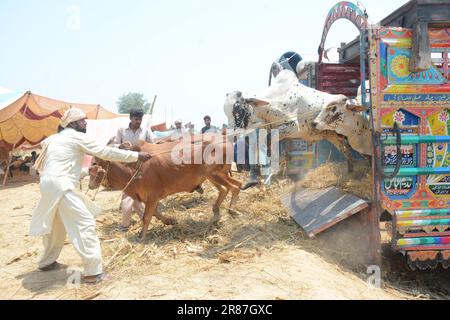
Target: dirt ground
{"points": [[259, 254]]}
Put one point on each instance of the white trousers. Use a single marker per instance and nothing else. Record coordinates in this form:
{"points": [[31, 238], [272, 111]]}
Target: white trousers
{"points": [[129, 205], [74, 218]]}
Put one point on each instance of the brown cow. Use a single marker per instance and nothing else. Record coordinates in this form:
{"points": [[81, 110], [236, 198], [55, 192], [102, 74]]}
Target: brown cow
{"points": [[161, 176]]}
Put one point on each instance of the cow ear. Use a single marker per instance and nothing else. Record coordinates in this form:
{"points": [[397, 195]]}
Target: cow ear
{"points": [[353, 105], [256, 102]]}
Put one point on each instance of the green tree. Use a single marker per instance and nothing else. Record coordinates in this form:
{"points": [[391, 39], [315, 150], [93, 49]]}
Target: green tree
{"points": [[131, 100]]}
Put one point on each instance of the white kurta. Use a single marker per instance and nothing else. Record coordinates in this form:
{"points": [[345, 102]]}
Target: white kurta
{"points": [[63, 209], [128, 204], [61, 173]]}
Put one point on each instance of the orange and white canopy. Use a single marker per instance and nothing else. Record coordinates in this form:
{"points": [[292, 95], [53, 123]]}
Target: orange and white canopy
{"points": [[30, 118]]}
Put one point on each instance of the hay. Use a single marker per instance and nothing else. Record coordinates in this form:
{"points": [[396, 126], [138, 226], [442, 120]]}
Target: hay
{"points": [[261, 224], [238, 256], [359, 183]]}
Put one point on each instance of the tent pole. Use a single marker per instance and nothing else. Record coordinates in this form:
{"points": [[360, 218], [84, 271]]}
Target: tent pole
{"points": [[14, 145], [98, 109], [153, 105], [7, 170], [7, 167]]}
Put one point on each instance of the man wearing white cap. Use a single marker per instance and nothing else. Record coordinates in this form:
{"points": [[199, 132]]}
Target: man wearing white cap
{"points": [[179, 127], [62, 208]]}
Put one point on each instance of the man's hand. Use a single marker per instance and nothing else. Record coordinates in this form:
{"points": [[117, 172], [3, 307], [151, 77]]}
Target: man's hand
{"points": [[126, 146], [144, 156]]}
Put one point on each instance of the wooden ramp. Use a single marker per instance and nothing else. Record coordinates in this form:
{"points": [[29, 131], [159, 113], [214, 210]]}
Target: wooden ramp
{"points": [[316, 210]]}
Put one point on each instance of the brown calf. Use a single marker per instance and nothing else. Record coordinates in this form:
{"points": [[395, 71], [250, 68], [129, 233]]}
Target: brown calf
{"points": [[161, 176]]}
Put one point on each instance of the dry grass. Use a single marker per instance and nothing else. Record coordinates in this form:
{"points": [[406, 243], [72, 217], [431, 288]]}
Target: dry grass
{"points": [[261, 250], [261, 223], [359, 182]]}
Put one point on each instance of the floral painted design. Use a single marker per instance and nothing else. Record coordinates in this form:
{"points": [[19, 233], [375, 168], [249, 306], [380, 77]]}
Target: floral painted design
{"points": [[443, 117], [399, 117], [400, 66]]}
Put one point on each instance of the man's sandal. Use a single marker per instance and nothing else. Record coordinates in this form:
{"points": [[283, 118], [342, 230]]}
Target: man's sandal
{"points": [[95, 279], [54, 266]]}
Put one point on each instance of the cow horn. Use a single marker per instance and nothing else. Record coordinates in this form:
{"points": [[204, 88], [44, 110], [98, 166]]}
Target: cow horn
{"points": [[353, 105], [256, 102]]}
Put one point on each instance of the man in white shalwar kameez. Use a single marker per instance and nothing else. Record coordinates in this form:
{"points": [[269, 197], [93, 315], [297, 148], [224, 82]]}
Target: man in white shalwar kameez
{"points": [[63, 208], [126, 138]]}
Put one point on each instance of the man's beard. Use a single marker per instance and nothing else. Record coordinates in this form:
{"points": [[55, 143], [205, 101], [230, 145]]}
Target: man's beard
{"points": [[79, 128]]}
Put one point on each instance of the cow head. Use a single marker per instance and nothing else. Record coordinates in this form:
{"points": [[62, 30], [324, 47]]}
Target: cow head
{"points": [[338, 115], [235, 109], [96, 174], [240, 111]]}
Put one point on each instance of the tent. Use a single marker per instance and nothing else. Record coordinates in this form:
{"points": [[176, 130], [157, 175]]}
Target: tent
{"points": [[30, 118]]}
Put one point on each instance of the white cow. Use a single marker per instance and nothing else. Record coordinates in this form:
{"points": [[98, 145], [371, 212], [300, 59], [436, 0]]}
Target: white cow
{"points": [[288, 106], [348, 119]]}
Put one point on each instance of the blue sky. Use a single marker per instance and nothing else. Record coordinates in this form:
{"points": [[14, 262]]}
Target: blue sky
{"points": [[189, 53]]}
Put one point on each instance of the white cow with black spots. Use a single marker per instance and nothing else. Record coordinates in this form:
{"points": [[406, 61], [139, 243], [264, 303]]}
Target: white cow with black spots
{"points": [[347, 118], [286, 105]]}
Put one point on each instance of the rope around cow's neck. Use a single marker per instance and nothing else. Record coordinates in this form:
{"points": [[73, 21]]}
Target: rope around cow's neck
{"points": [[138, 169], [105, 177], [134, 175]]}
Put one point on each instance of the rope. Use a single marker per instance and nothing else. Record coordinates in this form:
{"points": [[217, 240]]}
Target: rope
{"points": [[267, 124], [129, 182], [105, 177], [101, 182], [134, 175]]}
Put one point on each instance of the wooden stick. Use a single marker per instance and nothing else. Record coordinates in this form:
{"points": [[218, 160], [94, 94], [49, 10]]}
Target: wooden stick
{"points": [[17, 259], [127, 255], [143, 252], [236, 245], [92, 296], [115, 255]]}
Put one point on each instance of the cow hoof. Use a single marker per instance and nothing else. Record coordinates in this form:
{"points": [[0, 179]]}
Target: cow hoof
{"points": [[249, 185], [142, 240], [199, 190], [350, 167], [169, 221], [142, 237], [215, 220], [233, 213]]}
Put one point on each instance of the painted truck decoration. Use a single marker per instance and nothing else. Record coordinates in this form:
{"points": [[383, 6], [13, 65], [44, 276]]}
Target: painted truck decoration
{"points": [[418, 198], [406, 59]]}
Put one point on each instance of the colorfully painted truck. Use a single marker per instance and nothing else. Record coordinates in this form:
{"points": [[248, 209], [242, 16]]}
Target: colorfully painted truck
{"points": [[418, 101], [402, 66], [406, 59]]}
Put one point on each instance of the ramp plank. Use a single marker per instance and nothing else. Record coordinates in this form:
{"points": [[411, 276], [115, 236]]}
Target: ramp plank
{"points": [[316, 210]]}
